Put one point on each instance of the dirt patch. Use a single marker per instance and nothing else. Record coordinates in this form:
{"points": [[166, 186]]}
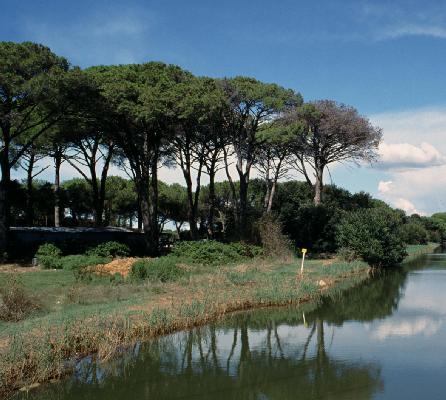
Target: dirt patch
{"points": [[119, 266], [18, 268], [243, 268]]}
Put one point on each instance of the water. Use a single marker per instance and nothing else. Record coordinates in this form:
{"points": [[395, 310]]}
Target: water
{"points": [[383, 340]]}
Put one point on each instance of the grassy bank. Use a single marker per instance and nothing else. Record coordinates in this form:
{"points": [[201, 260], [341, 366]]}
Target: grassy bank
{"points": [[103, 315], [417, 250]]}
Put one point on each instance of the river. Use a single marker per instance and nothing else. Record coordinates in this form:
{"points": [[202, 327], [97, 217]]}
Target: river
{"points": [[383, 340]]}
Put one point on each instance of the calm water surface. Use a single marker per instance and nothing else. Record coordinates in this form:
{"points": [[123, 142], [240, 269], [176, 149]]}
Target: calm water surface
{"points": [[383, 340]]}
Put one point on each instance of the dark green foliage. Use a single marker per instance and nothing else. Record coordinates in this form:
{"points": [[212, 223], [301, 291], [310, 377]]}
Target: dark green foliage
{"points": [[246, 250], [49, 250], [49, 256], [48, 262], [211, 252], [346, 254], [314, 227], [163, 269], [373, 234], [110, 249], [79, 261], [414, 233], [436, 227]]}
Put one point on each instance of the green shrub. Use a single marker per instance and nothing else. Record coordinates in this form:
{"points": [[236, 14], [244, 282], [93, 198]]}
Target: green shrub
{"points": [[346, 254], [110, 249], [211, 252], [48, 249], [373, 234], [49, 262], [79, 261], [48, 256], [163, 269], [246, 250], [312, 227], [414, 233]]}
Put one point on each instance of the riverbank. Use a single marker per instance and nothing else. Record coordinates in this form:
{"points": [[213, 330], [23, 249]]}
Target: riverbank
{"points": [[103, 317], [415, 251]]}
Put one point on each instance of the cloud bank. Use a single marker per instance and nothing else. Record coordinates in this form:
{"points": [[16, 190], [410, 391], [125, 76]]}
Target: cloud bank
{"points": [[415, 170], [406, 155]]}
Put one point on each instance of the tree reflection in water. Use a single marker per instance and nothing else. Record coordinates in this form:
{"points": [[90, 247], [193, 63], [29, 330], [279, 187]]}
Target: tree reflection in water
{"points": [[267, 354]]}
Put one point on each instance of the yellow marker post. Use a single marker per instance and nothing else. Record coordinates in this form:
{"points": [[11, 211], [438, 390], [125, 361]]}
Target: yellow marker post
{"points": [[305, 321], [304, 251]]}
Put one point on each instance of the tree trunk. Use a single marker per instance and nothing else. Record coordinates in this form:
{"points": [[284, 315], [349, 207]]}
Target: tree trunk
{"points": [[57, 164], [178, 228], [319, 171], [29, 191], [100, 191], [140, 222], [97, 209], [4, 196], [267, 195], [243, 194], [211, 216], [235, 204], [272, 190], [192, 197], [154, 205], [145, 215], [271, 196], [191, 215], [147, 187]]}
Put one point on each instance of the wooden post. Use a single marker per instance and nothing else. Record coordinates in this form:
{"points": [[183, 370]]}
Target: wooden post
{"points": [[304, 251]]}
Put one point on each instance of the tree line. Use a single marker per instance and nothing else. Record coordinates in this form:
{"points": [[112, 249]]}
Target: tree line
{"points": [[141, 117]]}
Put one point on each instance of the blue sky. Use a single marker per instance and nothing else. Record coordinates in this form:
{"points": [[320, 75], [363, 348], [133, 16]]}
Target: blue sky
{"points": [[385, 58]]}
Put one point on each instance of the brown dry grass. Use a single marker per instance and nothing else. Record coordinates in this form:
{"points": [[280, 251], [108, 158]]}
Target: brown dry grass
{"points": [[17, 267], [119, 266]]}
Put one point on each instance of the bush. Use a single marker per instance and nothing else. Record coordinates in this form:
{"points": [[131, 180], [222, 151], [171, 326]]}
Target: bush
{"points": [[246, 250], [414, 233], [163, 269], [312, 227], [211, 252], [373, 234], [16, 303], [48, 249], [274, 242], [110, 249], [346, 254], [48, 256], [79, 261]]}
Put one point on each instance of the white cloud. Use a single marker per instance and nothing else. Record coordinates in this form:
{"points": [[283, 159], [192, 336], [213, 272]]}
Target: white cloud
{"points": [[396, 32], [387, 191], [406, 206], [415, 177], [393, 21], [413, 126], [384, 186], [406, 155], [422, 325]]}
